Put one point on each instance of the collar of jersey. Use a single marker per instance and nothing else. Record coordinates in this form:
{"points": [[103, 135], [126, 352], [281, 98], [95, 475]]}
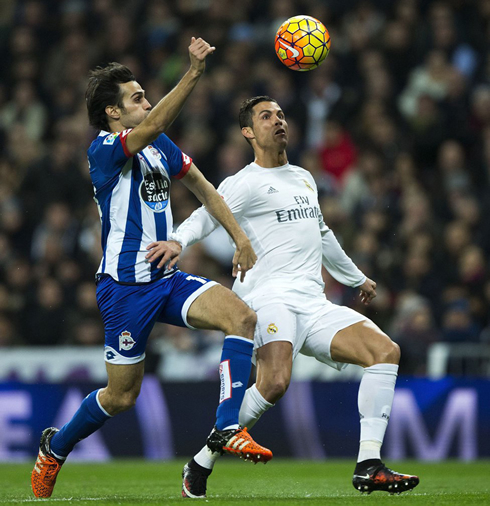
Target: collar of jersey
{"points": [[285, 166]]}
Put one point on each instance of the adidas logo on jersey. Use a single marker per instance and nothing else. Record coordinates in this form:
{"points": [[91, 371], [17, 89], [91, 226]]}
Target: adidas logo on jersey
{"points": [[272, 190]]}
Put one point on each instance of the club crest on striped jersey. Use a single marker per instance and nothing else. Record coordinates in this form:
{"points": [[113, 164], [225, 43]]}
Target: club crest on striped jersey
{"points": [[154, 151], [126, 342], [155, 191]]}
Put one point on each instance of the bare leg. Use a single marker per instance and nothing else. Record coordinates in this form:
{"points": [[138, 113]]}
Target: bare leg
{"points": [[123, 387], [220, 309], [364, 344], [274, 367]]}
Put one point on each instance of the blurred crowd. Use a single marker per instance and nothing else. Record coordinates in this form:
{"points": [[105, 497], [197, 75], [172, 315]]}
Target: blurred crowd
{"points": [[394, 126]]}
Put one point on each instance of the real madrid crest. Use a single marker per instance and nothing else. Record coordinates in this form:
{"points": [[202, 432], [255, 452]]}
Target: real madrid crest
{"points": [[272, 329]]}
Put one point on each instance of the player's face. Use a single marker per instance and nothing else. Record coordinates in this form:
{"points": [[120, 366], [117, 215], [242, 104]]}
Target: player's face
{"points": [[269, 126], [136, 106]]}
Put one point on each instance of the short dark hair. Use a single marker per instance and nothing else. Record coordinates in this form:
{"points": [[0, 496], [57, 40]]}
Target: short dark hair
{"points": [[103, 90], [246, 113]]}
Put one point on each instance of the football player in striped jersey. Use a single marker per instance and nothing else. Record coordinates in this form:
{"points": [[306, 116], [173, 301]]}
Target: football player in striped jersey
{"points": [[131, 164]]}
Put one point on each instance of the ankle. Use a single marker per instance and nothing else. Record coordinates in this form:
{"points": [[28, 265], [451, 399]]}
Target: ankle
{"points": [[361, 467]]}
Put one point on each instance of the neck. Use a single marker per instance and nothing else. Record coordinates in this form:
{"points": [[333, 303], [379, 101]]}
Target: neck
{"points": [[115, 127], [267, 159]]}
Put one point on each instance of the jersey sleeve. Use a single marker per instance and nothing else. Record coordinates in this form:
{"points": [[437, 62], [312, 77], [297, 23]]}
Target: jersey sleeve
{"points": [[107, 156], [336, 260], [179, 163], [195, 228], [236, 193], [200, 223]]}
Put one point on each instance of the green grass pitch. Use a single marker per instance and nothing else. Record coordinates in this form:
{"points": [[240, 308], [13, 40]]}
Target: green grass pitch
{"points": [[281, 482]]}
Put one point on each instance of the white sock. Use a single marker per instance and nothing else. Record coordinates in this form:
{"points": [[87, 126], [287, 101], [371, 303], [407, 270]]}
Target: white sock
{"points": [[206, 458], [375, 399], [253, 407]]}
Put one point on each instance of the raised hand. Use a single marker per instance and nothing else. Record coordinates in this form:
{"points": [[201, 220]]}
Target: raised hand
{"points": [[198, 50]]}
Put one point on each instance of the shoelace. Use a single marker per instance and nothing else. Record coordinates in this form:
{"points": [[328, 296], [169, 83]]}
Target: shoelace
{"points": [[51, 466]]}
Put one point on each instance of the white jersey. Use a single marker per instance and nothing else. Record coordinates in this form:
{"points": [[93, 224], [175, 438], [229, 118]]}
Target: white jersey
{"points": [[278, 210]]}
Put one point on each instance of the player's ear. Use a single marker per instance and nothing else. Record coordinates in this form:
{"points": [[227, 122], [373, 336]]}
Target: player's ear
{"points": [[113, 112], [248, 133]]}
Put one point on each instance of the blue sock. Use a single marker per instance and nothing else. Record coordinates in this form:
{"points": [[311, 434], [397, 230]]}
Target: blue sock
{"points": [[234, 373], [89, 417]]}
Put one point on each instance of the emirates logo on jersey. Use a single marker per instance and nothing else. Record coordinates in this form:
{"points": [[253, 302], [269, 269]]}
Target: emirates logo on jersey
{"points": [[155, 191]]}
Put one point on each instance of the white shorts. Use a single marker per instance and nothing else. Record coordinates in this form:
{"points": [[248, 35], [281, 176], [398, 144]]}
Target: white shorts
{"points": [[308, 323]]}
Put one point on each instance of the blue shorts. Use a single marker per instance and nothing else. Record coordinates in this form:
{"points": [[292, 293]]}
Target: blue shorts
{"points": [[129, 312]]}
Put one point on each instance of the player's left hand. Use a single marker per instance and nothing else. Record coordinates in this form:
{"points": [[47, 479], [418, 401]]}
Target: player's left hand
{"points": [[168, 250], [198, 50], [368, 291], [243, 259]]}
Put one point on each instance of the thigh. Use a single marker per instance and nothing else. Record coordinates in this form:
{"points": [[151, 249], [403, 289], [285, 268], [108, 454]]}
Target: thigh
{"points": [[215, 309], [124, 379], [274, 363], [123, 386], [129, 313], [359, 344], [186, 290], [325, 324]]}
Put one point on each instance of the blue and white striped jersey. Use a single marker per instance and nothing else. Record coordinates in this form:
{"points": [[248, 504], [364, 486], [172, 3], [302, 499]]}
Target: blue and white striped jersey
{"points": [[133, 196]]}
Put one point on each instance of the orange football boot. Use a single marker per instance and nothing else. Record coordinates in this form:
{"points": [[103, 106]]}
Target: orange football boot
{"points": [[238, 442], [46, 468]]}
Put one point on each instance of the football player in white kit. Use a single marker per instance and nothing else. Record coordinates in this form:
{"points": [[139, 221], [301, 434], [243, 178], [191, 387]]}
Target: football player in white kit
{"points": [[276, 204]]}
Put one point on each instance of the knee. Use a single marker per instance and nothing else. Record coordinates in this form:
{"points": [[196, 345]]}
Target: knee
{"points": [[273, 390], [388, 353], [244, 323], [121, 402]]}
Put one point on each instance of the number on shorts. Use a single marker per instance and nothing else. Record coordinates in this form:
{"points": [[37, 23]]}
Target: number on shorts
{"points": [[195, 278]]}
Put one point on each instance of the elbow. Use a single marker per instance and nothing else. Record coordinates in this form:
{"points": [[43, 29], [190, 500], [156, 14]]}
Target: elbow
{"points": [[155, 126]]}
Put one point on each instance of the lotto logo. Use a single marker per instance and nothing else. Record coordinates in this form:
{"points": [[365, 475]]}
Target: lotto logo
{"points": [[187, 159], [110, 355]]}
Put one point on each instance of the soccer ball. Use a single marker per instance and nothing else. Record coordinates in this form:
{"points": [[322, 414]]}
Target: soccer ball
{"points": [[302, 43]]}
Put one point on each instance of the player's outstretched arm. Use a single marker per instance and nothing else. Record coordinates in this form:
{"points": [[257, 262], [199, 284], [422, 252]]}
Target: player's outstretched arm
{"points": [[245, 257], [165, 112]]}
